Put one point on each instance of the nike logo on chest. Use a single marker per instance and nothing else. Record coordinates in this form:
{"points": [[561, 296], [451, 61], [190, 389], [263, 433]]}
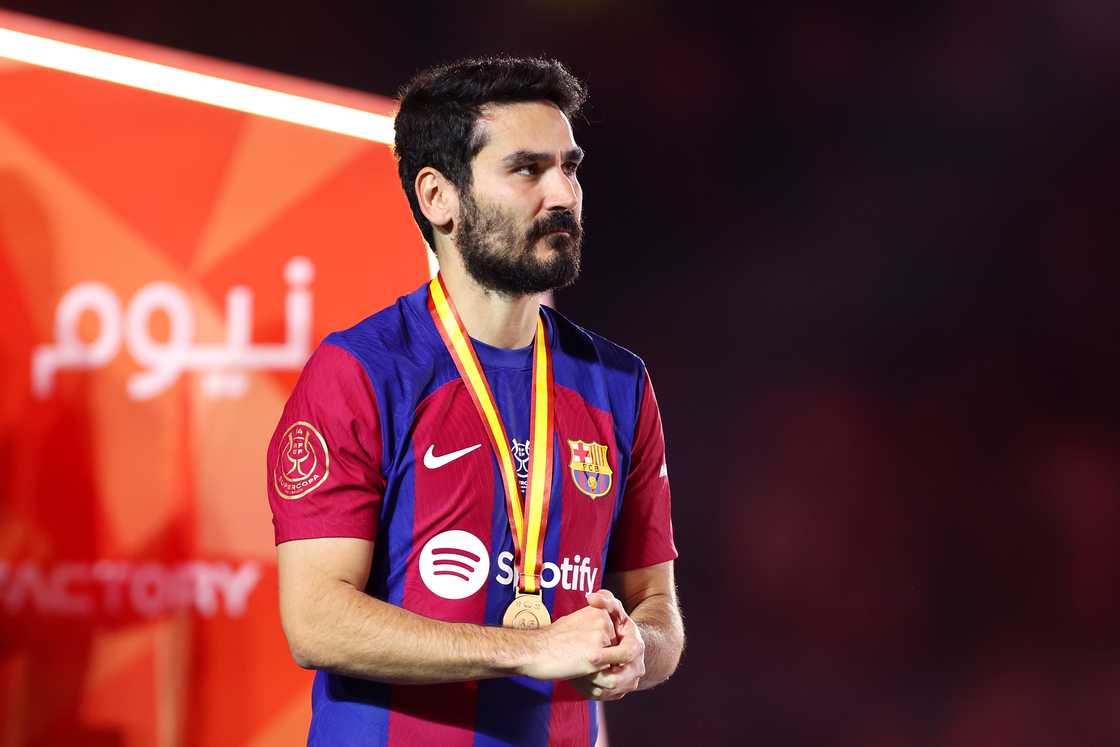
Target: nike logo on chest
{"points": [[434, 461]]}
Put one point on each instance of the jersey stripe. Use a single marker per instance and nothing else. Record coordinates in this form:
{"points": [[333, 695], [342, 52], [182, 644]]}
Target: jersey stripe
{"points": [[443, 496], [357, 712], [566, 724]]}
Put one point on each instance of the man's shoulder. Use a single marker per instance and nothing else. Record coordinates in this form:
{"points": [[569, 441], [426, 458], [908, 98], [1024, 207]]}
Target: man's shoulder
{"points": [[397, 337], [603, 373], [583, 345]]}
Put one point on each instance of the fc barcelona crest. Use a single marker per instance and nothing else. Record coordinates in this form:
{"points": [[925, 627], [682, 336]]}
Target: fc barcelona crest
{"points": [[590, 468]]}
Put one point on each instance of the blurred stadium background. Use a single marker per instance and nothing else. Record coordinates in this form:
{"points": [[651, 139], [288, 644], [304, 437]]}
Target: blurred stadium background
{"points": [[869, 253]]}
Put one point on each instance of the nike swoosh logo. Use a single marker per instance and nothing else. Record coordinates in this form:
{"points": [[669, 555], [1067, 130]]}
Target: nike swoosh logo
{"points": [[431, 461]]}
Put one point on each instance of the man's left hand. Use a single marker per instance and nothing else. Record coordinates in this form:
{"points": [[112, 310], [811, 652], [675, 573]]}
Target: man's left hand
{"points": [[615, 682]]}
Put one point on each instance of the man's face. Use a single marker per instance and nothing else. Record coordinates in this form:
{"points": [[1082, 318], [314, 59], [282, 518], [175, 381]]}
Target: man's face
{"points": [[520, 226]]}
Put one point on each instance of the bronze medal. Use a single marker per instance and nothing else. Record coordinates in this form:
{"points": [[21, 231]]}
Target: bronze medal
{"points": [[527, 612]]}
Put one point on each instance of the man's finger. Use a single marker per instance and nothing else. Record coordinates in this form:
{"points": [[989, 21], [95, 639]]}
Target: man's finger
{"points": [[590, 689], [612, 608], [608, 679], [624, 653], [593, 692], [604, 600]]}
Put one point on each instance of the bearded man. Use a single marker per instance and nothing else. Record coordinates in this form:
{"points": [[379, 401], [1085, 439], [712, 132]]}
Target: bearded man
{"points": [[444, 598]]}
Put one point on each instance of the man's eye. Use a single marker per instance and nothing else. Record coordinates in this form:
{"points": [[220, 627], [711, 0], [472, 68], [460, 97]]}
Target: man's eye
{"points": [[528, 169], [571, 167]]}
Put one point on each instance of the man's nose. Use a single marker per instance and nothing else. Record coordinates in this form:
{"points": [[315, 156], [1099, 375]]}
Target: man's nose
{"points": [[562, 191]]}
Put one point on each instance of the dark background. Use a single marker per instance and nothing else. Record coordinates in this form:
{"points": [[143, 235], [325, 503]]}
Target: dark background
{"points": [[869, 254]]}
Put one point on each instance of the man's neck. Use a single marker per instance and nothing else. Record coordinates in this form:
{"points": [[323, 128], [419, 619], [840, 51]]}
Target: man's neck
{"points": [[497, 319]]}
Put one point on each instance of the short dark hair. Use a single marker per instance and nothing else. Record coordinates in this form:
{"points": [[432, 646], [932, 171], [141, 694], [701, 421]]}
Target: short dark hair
{"points": [[439, 110]]}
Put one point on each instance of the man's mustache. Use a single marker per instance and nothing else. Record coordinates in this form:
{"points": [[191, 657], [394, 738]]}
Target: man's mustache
{"points": [[558, 221]]}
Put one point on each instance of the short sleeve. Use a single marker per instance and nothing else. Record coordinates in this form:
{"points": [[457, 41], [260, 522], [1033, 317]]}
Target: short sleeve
{"points": [[324, 476], [643, 535]]}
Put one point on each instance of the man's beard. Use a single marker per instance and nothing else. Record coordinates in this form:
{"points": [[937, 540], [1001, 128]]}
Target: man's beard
{"points": [[499, 258]]}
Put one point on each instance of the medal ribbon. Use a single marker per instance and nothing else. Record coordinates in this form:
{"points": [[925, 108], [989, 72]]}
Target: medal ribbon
{"points": [[528, 527]]}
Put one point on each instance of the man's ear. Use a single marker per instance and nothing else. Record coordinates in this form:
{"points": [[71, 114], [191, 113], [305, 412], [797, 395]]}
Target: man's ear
{"points": [[438, 197]]}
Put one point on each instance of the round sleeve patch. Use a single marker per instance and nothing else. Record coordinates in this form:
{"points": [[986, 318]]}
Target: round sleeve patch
{"points": [[303, 463]]}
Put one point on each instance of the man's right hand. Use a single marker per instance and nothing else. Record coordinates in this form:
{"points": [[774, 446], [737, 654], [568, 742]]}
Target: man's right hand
{"points": [[577, 645]]}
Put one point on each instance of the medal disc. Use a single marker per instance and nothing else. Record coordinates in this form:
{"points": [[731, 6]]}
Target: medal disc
{"points": [[527, 612]]}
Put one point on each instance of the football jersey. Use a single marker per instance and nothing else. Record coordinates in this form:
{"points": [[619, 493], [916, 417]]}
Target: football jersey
{"points": [[380, 440]]}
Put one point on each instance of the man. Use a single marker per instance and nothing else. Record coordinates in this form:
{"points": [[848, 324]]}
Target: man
{"points": [[457, 480]]}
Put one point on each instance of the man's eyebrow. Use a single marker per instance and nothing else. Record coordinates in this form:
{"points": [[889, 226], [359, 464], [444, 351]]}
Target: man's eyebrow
{"points": [[531, 156]]}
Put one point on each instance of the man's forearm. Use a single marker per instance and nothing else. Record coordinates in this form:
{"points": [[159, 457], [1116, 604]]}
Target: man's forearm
{"points": [[332, 626], [659, 621], [349, 632]]}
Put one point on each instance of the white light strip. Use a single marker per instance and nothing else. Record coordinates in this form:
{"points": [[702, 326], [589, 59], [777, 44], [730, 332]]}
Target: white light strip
{"points": [[207, 89]]}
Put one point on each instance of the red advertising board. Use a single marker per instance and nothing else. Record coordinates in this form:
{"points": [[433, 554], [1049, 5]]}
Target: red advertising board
{"points": [[166, 265]]}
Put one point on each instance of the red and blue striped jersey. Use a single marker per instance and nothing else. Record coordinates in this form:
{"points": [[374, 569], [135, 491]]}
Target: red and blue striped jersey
{"points": [[380, 440]]}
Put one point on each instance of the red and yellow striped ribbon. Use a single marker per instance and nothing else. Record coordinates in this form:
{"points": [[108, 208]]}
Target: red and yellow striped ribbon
{"points": [[528, 526]]}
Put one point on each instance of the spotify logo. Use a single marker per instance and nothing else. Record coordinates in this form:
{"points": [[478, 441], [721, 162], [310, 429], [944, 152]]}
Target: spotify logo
{"points": [[454, 564]]}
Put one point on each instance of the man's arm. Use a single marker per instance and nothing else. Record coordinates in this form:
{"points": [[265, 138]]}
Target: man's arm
{"points": [[332, 624], [645, 612]]}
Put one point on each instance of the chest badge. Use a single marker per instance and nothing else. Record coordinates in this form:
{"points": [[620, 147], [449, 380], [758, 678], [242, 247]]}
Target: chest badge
{"points": [[590, 469]]}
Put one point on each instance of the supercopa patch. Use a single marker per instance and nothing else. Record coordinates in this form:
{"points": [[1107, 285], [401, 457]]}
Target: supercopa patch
{"points": [[303, 462], [590, 469]]}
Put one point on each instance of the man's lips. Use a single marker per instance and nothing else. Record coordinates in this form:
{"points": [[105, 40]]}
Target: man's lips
{"points": [[569, 233]]}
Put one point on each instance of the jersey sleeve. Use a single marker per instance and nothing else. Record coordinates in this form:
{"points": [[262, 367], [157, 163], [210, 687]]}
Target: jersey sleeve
{"points": [[643, 535], [324, 475]]}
